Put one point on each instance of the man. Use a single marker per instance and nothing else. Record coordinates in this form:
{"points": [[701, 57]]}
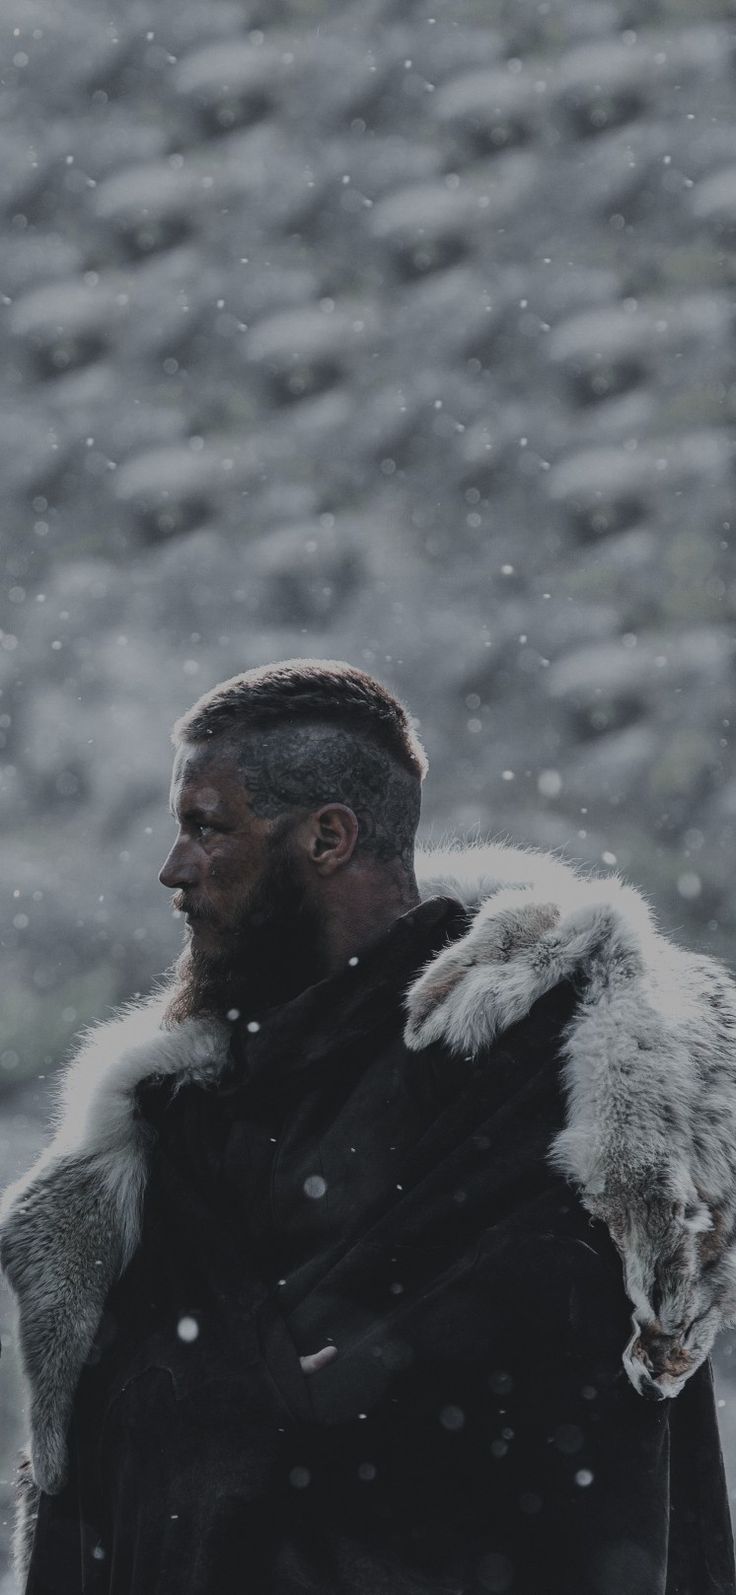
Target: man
{"points": [[308, 1300]]}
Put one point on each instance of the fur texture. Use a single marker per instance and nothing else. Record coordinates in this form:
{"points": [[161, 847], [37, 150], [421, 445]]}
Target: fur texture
{"points": [[650, 1140], [650, 1078], [70, 1226], [27, 1496]]}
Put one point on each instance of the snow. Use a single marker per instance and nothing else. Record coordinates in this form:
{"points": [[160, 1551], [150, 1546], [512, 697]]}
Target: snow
{"points": [[228, 68], [496, 109], [187, 1329], [302, 338], [306, 301], [314, 1186], [714, 200]]}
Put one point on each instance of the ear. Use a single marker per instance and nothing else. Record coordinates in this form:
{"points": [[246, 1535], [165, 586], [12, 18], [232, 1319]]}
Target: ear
{"points": [[332, 837]]}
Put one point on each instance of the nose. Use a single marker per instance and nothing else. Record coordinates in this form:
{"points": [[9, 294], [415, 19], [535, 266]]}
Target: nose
{"points": [[180, 868]]}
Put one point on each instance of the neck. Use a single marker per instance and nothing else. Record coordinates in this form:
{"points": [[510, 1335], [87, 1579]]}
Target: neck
{"points": [[276, 959], [355, 918]]}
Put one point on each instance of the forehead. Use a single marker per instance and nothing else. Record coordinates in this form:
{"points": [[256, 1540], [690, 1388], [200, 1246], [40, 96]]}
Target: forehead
{"points": [[206, 780]]}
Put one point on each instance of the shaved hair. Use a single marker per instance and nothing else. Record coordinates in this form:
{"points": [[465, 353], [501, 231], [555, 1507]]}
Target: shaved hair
{"points": [[307, 732]]}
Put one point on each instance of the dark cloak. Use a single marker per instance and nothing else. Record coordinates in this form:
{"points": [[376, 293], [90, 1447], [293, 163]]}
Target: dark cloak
{"points": [[476, 1432]]}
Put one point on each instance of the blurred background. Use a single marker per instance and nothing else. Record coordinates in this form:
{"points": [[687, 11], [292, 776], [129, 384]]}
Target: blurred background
{"points": [[376, 330]]}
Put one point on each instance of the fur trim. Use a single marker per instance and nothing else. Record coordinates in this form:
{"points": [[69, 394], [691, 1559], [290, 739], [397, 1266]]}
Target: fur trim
{"points": [[649, 1062], [27, 1497], [650, 1140], [69, 1227]]}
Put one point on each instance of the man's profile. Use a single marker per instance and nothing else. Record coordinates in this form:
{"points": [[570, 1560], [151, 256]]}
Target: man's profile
{"points": [[320, 1281]]}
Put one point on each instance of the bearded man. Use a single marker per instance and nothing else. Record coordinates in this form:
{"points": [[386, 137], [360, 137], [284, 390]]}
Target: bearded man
{"points": [[320, 1281]]}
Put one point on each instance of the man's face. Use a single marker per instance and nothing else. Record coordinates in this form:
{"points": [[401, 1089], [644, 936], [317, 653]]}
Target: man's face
{"points": [[222, 854], [254, 930]]}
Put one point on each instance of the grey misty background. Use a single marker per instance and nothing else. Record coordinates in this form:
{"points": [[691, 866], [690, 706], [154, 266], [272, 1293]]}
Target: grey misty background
{"points": [[370, 330]]}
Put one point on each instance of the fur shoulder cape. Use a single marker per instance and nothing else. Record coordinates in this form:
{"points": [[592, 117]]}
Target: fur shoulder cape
{"points": [[649, 1143]]}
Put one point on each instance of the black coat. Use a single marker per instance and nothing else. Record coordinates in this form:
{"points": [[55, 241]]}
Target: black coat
{"points": [[476, 1432]]}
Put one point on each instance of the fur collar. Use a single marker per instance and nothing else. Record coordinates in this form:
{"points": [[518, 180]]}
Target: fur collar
{"points": [[649, 1144]]}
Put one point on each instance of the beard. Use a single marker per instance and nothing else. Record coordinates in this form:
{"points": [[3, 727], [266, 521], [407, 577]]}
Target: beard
{"points": [[273, 950]]}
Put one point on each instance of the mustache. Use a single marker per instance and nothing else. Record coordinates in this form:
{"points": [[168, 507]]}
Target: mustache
{"points": [[184, 905]]}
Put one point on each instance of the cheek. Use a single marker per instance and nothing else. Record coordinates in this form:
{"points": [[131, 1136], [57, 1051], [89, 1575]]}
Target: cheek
{"points": [[234, 873]]}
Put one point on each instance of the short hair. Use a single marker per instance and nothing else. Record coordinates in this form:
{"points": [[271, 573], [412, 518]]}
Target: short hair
{"points": [[310, 731], [294, 690]]}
